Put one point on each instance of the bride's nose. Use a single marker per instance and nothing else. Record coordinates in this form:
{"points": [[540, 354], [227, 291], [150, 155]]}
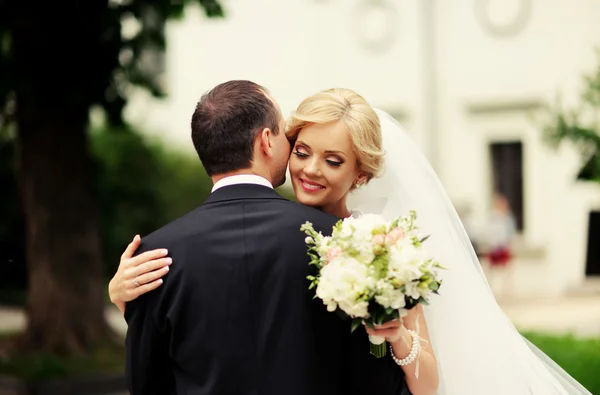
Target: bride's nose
{"points": [[312, 168]]}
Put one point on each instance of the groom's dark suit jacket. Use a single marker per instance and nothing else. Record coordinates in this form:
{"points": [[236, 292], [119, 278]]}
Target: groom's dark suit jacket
{"points": [[234, 315]]}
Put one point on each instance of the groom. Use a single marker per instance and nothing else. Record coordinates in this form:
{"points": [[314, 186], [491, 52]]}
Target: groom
{"points": [[234, 315]]}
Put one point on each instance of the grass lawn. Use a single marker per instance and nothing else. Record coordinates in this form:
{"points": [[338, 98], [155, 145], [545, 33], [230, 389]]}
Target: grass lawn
{"points": [[105, 358], [579, 357]]}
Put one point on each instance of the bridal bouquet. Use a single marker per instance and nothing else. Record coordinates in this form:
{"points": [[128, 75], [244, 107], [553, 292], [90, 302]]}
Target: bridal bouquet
{"points": [[372, 270]]}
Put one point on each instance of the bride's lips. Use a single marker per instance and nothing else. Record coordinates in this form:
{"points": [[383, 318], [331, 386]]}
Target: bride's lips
{"points": [[311, 187]]}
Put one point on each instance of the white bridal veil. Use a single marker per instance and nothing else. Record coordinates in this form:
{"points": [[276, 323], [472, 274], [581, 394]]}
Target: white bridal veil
{"points": [[478, 349]]}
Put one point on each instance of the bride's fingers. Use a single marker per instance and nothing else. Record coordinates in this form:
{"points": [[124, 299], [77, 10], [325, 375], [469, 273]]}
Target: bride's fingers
{"points": [[148, 267], [151, 276], [131, 247], [142, 289], [148, 256], [391, 333], [389, 324]]}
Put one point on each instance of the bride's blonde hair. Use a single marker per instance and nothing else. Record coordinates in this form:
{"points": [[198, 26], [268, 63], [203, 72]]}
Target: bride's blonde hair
{"points": [[360, 119]]}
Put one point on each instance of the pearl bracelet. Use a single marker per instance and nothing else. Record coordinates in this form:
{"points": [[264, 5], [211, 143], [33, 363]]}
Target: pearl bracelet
{"points": [[414, 350]]}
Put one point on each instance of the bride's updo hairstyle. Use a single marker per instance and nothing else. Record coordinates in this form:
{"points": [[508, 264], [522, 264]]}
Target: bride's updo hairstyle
{"points": [[361, 121]]}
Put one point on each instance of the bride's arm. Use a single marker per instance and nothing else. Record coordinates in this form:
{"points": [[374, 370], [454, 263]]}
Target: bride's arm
{"points": [[396, 332], [137, 275]]}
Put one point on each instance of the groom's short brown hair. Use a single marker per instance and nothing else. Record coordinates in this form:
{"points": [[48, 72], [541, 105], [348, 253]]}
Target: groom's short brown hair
{"points": [[226, 122]]}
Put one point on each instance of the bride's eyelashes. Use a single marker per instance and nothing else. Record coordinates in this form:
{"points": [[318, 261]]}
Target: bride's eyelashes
{"points": [[335, 163], [300, 154], [303, 155]]}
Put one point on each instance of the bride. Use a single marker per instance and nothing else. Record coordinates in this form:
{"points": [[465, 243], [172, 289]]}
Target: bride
{"points": [[338, 165]]}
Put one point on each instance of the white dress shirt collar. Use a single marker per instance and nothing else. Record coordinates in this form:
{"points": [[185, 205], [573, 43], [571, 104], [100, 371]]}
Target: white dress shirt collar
{"points": [[242, 179]]}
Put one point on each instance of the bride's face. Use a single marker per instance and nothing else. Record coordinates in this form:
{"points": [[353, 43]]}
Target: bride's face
{"points": [[323, 167]]}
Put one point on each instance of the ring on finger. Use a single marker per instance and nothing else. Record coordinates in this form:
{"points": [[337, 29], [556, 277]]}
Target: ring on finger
{"points": [[136, 283]]}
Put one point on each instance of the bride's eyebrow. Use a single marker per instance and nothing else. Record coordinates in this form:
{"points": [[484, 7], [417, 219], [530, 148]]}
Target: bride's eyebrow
{"points": [[303, 144], [336, 152]]}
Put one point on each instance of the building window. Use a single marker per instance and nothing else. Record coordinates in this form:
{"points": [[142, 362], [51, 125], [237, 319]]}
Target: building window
{"points": [[507, 175], [592, 266]]}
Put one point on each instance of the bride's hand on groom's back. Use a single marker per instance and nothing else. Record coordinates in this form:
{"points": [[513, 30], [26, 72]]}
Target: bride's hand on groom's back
{"points": [[137, 275]]}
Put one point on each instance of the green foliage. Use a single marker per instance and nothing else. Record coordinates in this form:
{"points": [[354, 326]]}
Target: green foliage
{"points": [[579, 126], [142, 186], [287, 192], [578, 357], [89, 35]]}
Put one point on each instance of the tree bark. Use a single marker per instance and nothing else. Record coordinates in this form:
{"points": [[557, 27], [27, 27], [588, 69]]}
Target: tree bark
{"points": [[65, 304]]}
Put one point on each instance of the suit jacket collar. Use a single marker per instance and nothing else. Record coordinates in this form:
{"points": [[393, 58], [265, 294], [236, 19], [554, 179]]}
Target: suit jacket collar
{"points": [[242, 192]]}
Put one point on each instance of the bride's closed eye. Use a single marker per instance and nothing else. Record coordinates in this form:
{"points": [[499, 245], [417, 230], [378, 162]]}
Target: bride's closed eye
{"points": [[303, 155], [300, 154], [334, 162]]}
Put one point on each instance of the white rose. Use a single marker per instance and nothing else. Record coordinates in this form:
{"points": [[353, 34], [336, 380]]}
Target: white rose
{"points": [[345, 281], [388, 296]]}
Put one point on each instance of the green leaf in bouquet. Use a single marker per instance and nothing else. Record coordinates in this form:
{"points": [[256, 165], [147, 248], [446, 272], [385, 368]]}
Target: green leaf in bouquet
{"points": [[356, 323], [380, 230], [307, 227], [424, 239], [389, 310], [423, 301], [380, 264], [410, 303], [380, 317], [338, 226], [434, 286], [412, 215], [340, 313]]}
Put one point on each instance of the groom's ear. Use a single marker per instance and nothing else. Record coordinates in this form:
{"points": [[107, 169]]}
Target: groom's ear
{"points": [[265, 142]]}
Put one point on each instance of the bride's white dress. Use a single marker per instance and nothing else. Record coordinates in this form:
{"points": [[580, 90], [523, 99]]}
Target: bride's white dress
{"points": [[478, 349]]}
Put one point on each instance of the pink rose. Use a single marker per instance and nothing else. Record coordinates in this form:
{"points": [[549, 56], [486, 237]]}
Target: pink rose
{"points": [[395, 235], [333, 253]]}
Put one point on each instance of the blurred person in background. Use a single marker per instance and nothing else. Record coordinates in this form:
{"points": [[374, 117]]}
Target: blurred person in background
{"points": [[500, 232]]}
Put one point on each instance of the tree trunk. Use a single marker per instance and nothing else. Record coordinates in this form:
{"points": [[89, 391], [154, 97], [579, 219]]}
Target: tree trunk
{"points": [[65, 304]]}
